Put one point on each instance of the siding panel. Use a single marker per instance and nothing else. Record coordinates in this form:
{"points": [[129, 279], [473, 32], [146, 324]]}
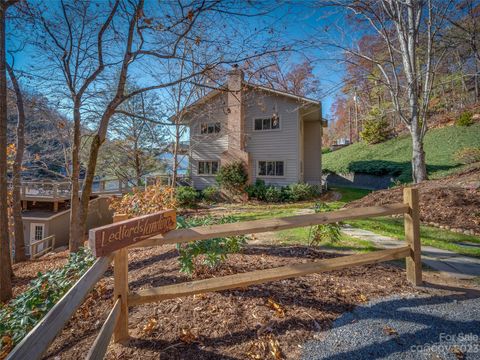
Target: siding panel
{"points": [[280, 144], [210, 146]]}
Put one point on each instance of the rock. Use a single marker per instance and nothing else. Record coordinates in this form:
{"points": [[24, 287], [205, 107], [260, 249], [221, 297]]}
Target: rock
{"points": [[476, 117]]}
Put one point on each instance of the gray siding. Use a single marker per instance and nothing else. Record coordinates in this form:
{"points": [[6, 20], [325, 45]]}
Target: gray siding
{"points": [[99, 214], [208, 146], [282, 144]]}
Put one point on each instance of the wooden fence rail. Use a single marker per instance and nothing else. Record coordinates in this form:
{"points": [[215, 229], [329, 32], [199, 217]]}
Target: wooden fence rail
{"points": [[37, 341], [99, 347], [41, 336], [48, 245]]}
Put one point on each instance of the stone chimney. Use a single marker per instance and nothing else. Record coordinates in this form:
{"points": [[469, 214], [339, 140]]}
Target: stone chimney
{"points": [[235, 117]]}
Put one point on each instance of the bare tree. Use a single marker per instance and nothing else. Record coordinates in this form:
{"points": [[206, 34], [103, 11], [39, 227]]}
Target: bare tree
{"points": [[468, 28], [5, 260], [408, 30], [17, 169], [91, 69], [69, 38]]}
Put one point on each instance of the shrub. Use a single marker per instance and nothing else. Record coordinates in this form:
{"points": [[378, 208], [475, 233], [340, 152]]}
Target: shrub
{"points": [[274, 194], [22, 313], [148, 201], [186, 196], [468, 155], [212, 252], [257, 191], [299, 192], [324, 232], [375, 131], [211, 194], [465, 119], [233, 177]]}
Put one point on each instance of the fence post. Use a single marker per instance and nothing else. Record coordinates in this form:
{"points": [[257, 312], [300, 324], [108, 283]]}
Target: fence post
{"points": [[120, 288], [412, 236]]}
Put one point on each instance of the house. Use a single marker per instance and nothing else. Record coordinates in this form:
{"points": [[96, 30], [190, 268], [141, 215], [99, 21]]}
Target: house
{"points": [[276, 134], [46, 212]]}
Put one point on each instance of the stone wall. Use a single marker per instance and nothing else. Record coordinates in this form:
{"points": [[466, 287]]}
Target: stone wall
{"points": [[359, 180]]}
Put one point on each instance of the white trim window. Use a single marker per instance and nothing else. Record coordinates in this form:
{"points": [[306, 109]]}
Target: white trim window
{"points": [[210, 128], [274, 168], [208, 167], [265, 124], [37, 231]]}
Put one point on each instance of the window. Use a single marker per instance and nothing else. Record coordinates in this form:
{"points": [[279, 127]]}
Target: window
{"points": [[270, 168], [272, 123], [210, 128], [207, 167], [36, 231]]}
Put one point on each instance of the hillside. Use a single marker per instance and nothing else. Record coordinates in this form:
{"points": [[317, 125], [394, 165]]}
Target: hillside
{"points": [[393, 157]]}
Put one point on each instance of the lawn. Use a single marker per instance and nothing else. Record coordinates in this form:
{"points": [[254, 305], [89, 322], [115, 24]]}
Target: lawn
{"points": [[431, 236], [393, 156], [387, 226]]}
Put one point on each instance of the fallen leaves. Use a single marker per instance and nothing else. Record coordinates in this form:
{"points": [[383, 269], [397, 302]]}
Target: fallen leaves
{"points": [[457, 352], [187, 336], [276, 307], [390, 331], [362, 298], [7, 345], [150, 327], [266, 347]]}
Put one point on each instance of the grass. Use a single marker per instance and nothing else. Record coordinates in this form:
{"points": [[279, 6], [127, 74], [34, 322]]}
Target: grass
{"points": [[431, 236], [393, 156], [346, 243], [393, 227]]}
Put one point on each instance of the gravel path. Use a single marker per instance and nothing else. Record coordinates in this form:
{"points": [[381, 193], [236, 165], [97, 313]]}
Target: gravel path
{"points": [[419, 327]]}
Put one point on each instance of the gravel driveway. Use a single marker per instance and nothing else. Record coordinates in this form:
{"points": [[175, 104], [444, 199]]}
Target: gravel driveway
{"points": [[419, 327]]}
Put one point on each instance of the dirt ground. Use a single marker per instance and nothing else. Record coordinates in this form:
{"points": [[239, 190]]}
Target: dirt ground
{"points": [[269, 321], [453, 201]]}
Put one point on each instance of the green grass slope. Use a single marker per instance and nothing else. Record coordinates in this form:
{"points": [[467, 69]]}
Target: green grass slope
{"points": [[393, 157]]}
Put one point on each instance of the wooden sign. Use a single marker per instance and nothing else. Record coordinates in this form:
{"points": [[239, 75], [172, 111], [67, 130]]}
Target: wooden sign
{"points": [[105, 239]]}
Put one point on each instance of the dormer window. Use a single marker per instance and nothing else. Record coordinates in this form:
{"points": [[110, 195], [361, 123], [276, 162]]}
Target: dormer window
{"points": [[210, 128], [272, 123]]}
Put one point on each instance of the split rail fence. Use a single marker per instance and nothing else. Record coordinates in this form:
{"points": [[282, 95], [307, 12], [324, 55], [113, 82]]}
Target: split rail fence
{"points": [[37, 341]]}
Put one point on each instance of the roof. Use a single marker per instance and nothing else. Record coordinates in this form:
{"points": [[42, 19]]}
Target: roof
{"points": [[223, 88]]}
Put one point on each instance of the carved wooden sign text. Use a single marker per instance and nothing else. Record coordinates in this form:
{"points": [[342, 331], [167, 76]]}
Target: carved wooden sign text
{"points": [[105, 239]]}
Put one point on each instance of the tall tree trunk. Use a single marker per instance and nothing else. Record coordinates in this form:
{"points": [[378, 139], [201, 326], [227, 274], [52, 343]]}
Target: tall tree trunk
{"points": [[76, 234], [5, 260], [17, 171], [419, 167], [175, 156], [97, 142]]}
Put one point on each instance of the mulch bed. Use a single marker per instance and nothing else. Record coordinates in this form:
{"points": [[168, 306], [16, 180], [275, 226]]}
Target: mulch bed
{"points": [[27, 271], [269, 321], [453, 201]]}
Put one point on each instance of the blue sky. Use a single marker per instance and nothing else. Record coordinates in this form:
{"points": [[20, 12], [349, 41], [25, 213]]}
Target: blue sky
{"points": [[296, 24]]}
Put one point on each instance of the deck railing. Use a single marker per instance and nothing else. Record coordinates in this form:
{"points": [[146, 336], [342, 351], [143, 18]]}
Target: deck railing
{"points": [[48, 245], [38, 340]]}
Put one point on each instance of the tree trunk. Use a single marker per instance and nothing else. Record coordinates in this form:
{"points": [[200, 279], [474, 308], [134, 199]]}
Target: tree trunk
{"points": [[17, 170], [76, 234], [5, 260], [138, 170], [175, 156], [419, 167], [97, 142]]}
